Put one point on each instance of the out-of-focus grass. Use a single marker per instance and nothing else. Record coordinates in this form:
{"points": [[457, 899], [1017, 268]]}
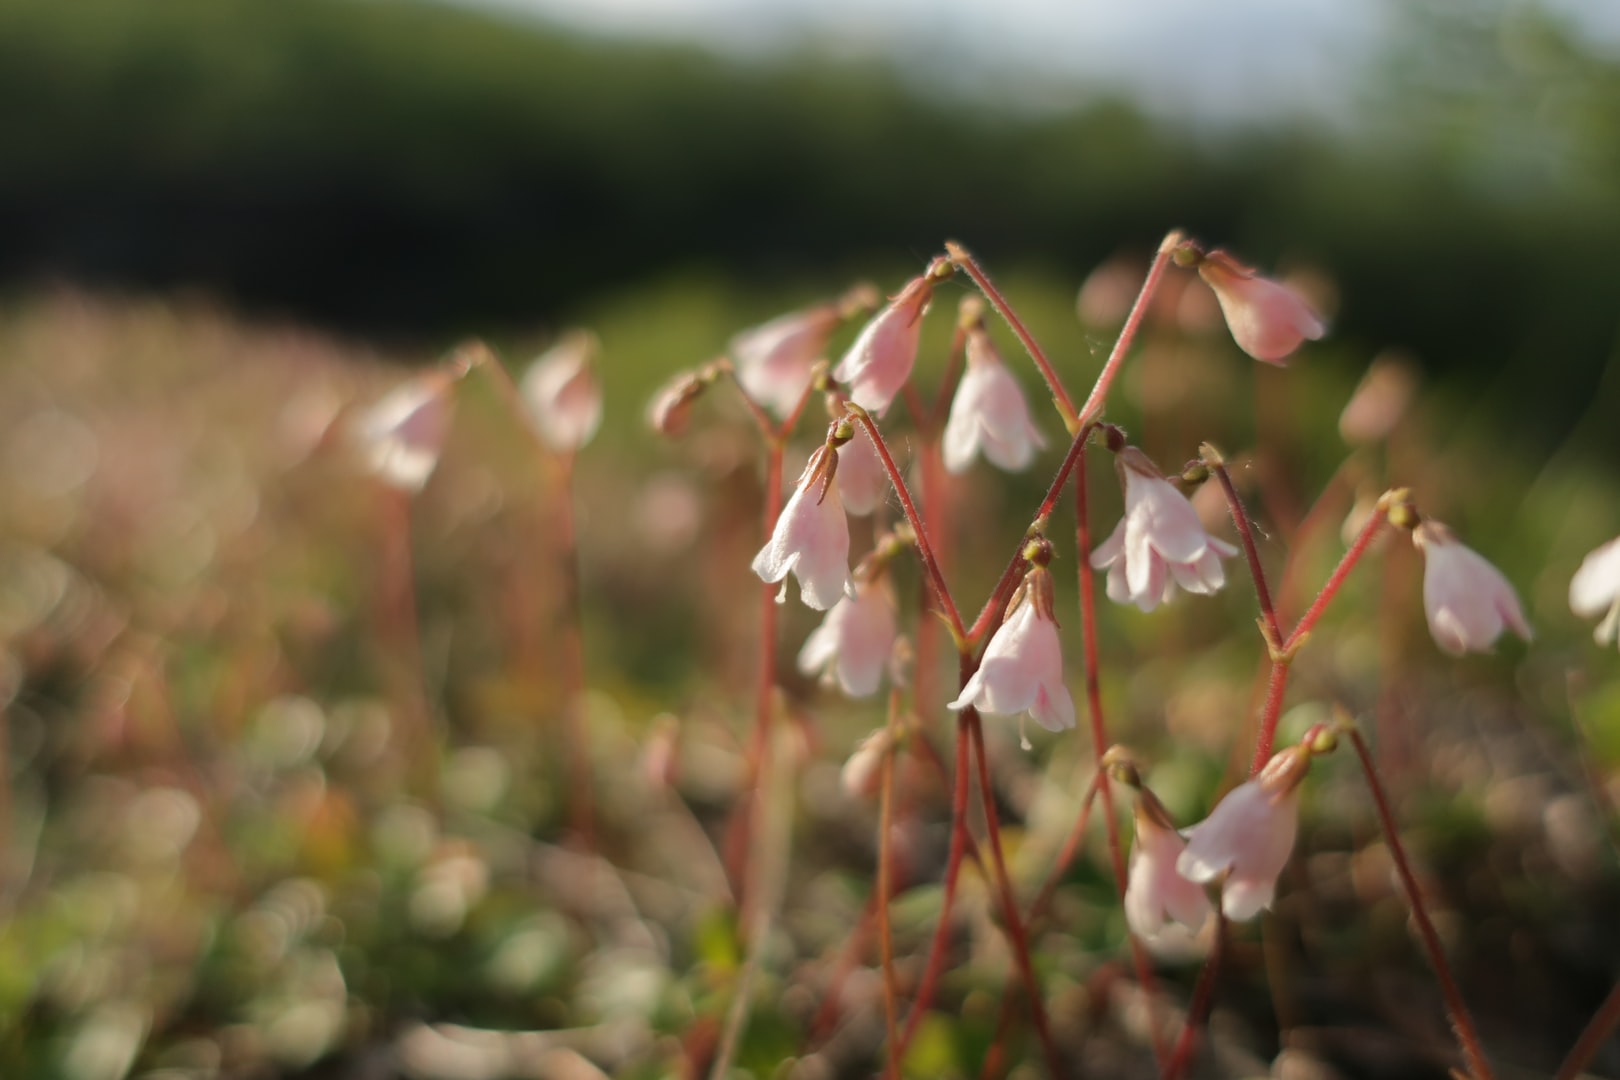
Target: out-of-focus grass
{"points": [[218, 862]]}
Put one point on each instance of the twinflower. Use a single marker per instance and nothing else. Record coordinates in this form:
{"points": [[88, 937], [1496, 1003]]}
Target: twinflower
{"points": [[1596, 588], [878, 364], [1467, 600], [811, 538], [1159, 543], [1165, 910], [562, 395], [403, 433], [1268, 320], [1022, 668], [989, 413], [775, 361], [1247, 839], [861, 476], [854, 642]]}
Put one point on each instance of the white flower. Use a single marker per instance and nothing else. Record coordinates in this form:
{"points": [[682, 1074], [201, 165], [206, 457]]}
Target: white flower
{"points": [[403, 433], [562, 395], [1249, 836], [861, 475], [854, 642], [1023, 664], [1159, 543], [811, 538], [1467, 600], [878, 364], [1268, 320], [1163, 909], [989, 413], [1596, 587], [774, 361]]}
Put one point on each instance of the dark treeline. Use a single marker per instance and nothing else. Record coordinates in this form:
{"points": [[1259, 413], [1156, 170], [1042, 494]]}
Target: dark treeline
{"points": [[411, 171]]}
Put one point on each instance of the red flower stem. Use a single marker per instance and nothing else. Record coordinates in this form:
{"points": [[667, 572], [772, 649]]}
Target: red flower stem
{"points": [[741, 831], [965, 262], [1099, 740], [925, 549], [1270, 713], [767, 427], [885, 886], [947, 384], [953, 869], [1093, 407], [1363, 540], [1597, 1032], [581, 796], [401, 621], [1009, 906], [930, 754], [1245, 528], [1461, 1022], [1203, 998], [1071, 848]]}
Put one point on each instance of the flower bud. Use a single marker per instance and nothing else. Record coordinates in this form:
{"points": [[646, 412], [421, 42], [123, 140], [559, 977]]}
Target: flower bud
{"points": [[563, 397], [1268, 320]]}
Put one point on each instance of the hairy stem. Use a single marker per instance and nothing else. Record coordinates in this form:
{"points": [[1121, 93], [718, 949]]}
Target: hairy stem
{"points": [[1602, 1025], [1203, 998]]}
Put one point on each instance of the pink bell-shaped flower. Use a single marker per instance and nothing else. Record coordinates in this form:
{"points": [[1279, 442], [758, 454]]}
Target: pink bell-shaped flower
{"points": [[1595, 588], [1165, 910], [854, 642], [862, 478], [811, 538], [989, 413], [1247, 839], [562, 395], [775, 361], [1268, 320], [1022, 668], [402, 434], [1467, 600], [878, 364], [1159, 543], [861, 773]]}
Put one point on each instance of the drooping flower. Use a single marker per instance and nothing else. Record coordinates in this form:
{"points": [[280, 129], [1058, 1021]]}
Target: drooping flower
{"points": [[1165, 910], [1022, 668], [403, 433], [854, 642], [1159, 543], [989, 413], [860, 775], [1467, 600], [811, 538], [1596, 588], [861, 476], [1268, 320], [775, 361], [878, 364], [562, 395], [670, 409], [1249, 836]]}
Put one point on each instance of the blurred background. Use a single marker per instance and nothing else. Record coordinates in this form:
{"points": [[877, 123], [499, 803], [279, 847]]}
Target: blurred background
{"points": [[226, 224]]}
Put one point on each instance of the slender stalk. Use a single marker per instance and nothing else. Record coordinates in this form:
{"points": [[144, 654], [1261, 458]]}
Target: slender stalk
{"points": [[581, 795], [925, 549], [1099, 741], [401, 623], [953, 870], [891, 1023], [1461, 1022], [1203, 998], [1009, 907], [1602, 1025], [960, 258], [1358, 548], [947, 384], [1093, 407], [1240, 519]]}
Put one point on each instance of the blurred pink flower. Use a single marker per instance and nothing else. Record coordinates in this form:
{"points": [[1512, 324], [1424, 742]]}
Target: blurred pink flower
{"points": [[562, 395], [1023, 664], [1596, 588], [774, 361], [1467, 600], [1159, 543], [861, 475], [1248, 837], [1163, 909], [878, 364], [854, 642], [1268, 320], [403, 433], [811, 538], [860, 776], [989, 413]]}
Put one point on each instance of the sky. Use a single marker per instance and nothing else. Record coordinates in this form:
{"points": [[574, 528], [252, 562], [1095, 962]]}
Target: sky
{"points": [[1199, 59]]}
